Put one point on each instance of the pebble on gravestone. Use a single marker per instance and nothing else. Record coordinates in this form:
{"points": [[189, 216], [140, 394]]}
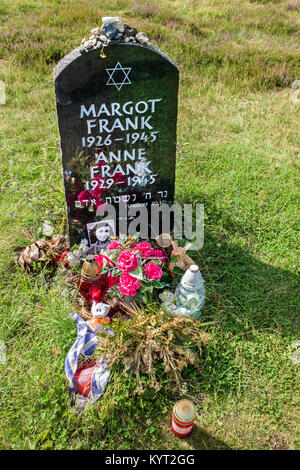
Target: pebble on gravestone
{"points": [[109, 30], [117, 116], [96, 31], [142, 38], [103, 38], [114, 21], [130, 39], [89, 44], [129, 32]]}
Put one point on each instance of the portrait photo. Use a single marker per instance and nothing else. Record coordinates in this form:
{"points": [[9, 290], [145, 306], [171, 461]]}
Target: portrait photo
{"points": [[99, 234]]}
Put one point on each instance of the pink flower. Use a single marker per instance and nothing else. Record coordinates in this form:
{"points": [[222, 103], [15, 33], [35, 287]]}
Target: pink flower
{"points": [[128, 285], [119, 179], [159, 254], [114, 245], [153, 271], [127, 261], [144, 248], [100, 164], [97, 192], [84, 197]]}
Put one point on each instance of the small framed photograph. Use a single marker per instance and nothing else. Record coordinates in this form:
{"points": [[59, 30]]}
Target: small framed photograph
{"points": [[100, 234]]}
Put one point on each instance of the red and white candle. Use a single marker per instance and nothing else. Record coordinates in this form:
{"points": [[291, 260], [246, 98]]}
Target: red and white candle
{"points": [[183, 418]]}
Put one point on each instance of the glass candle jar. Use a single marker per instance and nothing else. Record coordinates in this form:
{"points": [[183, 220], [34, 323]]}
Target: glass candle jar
{"points": [[190, 292]]}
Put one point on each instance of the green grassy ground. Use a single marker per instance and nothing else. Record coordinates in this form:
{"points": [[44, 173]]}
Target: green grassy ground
{"points": [[238, 142]]}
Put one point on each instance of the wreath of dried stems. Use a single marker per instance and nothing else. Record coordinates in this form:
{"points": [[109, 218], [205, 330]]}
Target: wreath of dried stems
{"points": [[153, 344]]}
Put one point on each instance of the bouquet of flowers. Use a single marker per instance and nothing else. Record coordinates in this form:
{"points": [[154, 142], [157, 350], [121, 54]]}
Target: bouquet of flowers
{"points": [[134, 268]]}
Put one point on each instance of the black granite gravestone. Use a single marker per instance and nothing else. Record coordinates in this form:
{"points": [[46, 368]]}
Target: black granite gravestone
{"points": [[117, 121]]}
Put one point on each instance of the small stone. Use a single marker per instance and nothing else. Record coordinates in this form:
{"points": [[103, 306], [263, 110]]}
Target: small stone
{"points": [[82, 50], [92, 37], [96, 31], [115, 21], [130, 39], [128, 31], [117, 37], [89, 44], [142, 38], [103, 38], [109, 30], [83, 41]]}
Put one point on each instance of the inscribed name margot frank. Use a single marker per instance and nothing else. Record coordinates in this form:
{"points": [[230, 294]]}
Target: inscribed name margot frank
{"points": [[117, 115]]}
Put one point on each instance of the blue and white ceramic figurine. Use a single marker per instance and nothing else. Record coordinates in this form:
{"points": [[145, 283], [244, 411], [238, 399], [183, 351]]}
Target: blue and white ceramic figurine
{"points": [[190, 292]]}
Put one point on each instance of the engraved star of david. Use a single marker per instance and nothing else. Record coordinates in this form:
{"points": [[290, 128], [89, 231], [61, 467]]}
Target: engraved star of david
{"points": [[118, 70]]}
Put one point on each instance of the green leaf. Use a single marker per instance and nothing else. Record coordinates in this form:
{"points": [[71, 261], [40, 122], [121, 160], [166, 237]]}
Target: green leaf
{"points": [[175, 258], [148, 288], [137, 272]]}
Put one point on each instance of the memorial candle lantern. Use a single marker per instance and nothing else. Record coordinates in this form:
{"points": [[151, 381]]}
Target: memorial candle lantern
{"points": [[74, 186], [183, 418], [91, 278], [164, 243]]}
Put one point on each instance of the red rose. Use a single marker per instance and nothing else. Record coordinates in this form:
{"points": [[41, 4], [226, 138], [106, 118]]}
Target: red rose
{"points": [[128, 285], [144, 248], [127, 261], [153, 271]]}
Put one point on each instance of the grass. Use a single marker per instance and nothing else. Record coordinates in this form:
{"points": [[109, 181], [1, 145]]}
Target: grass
{"points": [[238, 142]]}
